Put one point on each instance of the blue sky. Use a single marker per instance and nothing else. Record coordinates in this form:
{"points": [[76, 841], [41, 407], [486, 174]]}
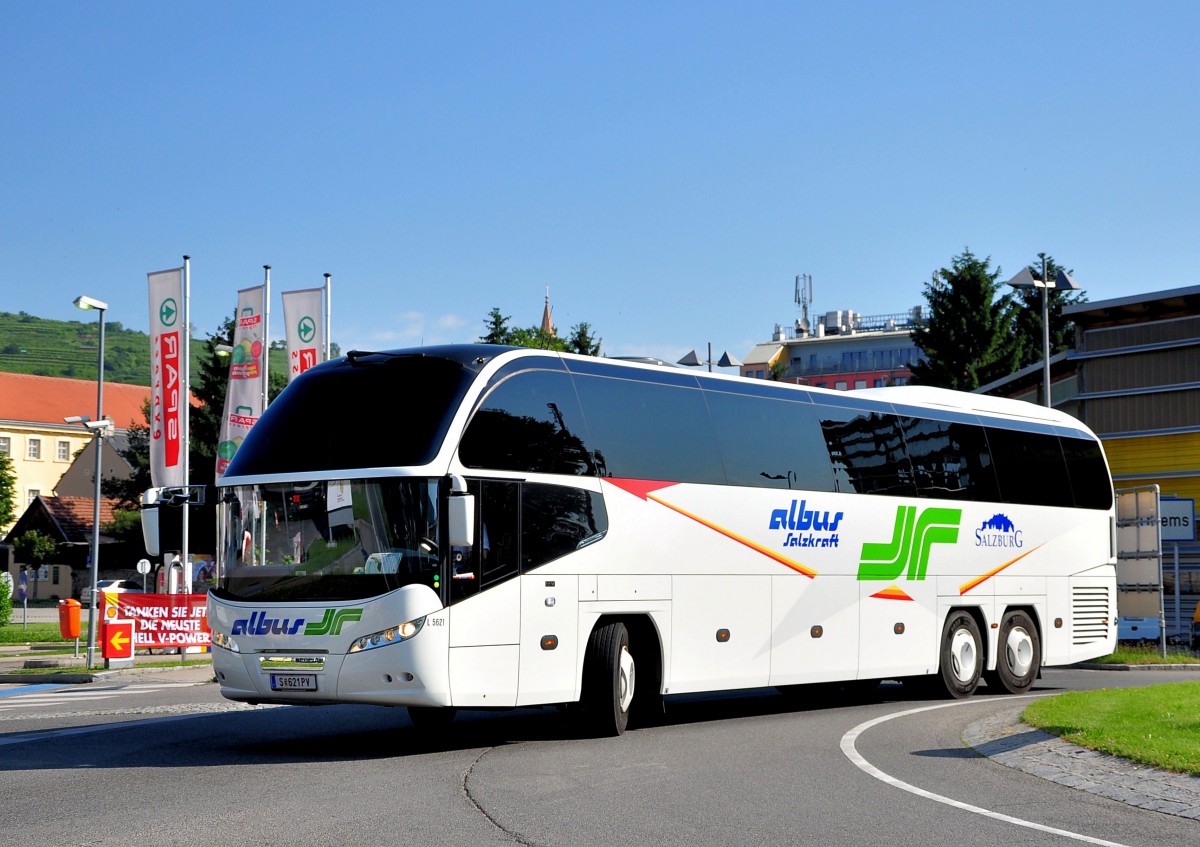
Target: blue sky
{"points": [[667, 169]]}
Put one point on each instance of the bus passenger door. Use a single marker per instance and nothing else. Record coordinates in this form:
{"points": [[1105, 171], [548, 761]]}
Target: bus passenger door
{"points": [[549, 636], [485, 602]]}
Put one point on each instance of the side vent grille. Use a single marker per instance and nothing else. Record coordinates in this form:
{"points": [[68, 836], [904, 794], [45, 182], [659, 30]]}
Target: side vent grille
{"points": [[1091, 613]]}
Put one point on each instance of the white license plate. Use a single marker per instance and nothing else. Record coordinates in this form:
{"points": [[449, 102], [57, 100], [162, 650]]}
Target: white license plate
{"points": [[293, 682]]}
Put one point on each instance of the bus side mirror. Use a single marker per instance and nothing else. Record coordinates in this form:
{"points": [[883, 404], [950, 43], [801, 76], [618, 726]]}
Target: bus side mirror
{"points": [[150, 521], [460, 516]]}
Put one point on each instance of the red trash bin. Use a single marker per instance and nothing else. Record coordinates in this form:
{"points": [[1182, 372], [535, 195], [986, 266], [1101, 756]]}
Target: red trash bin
{"points": [[68, 618]]}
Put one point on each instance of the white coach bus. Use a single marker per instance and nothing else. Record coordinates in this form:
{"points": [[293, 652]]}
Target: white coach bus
{"points": [[478, 527]]}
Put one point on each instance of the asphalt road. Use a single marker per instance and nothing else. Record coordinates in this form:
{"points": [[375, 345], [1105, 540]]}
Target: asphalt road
{"points": [[157, 760]]}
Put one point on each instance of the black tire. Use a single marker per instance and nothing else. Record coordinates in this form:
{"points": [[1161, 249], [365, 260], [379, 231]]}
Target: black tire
{"points": [[608, 680], [961, 659], [431, 717], [1018, 654]]}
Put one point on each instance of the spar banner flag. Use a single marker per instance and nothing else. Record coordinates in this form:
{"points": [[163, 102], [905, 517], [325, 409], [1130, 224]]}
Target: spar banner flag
{"points": [[302, 313], [247, 373], [167, 394]]}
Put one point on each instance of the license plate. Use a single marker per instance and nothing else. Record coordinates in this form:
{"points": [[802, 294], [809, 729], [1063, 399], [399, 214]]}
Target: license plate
{"points": [[293, 682]]}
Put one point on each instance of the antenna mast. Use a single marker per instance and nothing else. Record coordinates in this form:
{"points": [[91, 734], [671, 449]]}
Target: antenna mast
{"points": [[804, 296]]}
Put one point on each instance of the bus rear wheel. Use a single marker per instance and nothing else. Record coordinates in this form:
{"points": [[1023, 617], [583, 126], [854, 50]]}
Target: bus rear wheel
{"points": [[961, 656], [608, 682], [1018, 654]]}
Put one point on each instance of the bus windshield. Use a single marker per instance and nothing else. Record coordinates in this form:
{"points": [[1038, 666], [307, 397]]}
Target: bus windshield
{"points": [[327, 540]]}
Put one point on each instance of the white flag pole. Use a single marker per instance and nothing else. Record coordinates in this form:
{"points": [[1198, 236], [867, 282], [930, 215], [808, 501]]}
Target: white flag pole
{"points": [[328, 315], [265, 379], [266, 313], [186, 416]]}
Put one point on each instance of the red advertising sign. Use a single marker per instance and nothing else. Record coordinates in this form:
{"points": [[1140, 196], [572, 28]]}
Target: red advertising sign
{"points": [[117, 639], [166, 412], [161, 620]]}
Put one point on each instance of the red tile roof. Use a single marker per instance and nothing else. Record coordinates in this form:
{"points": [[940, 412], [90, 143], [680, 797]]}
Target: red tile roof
{"points": [[48, 399], [74, 514]]}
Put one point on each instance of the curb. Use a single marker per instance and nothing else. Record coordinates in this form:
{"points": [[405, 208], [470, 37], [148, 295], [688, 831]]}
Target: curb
{"points": [[1004, 739], [1094, 666]]}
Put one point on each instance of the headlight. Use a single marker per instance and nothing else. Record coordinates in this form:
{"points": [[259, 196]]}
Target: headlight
{"points": [[391, 635], [225, 641]]}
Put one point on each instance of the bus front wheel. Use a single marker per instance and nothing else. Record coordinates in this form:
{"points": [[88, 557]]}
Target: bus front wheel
{"points": [[609, 677], [1018, 654], [961, 656]]}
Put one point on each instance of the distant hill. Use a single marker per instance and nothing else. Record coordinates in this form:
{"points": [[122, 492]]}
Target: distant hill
{"points": [[33, 345]]}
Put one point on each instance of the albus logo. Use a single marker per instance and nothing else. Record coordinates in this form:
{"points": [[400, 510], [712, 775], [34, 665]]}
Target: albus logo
{"points": [[808, 527], [999, 531]]}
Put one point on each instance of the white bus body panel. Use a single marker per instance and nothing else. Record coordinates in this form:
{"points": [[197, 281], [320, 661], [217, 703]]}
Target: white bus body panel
{"points": [[800, 653], [485, 634], [549, 609], [739, 607]]}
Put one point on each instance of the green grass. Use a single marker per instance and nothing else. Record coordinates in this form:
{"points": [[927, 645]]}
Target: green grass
{"points": [[1157, 725], [39, 633]]}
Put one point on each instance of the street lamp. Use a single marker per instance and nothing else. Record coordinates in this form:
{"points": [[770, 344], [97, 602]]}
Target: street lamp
{"points": [[97, 427], [726, 361], [1062, 282]]}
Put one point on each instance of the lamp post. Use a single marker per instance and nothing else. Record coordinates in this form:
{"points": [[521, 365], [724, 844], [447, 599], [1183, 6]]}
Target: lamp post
{"points": [[97, 427], [1062, 282], [726, 361]]}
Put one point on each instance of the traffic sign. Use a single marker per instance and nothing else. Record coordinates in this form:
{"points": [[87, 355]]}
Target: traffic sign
{"points": [[22, 587], [1178, 519], [117, 639]]}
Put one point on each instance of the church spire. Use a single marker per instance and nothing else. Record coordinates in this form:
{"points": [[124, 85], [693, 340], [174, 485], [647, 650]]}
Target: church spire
{"points": [[547, 324]]}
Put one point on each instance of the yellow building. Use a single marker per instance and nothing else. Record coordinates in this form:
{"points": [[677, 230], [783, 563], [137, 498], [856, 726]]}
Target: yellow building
{"points": [[40, 443]]}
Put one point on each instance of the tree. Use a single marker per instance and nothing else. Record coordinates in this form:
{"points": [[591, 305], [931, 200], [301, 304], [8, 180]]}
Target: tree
{"points": [[970, 337], [8, 491], [582, 341], [205, 421], [34, 548], [1029, 313], [497, 328]]}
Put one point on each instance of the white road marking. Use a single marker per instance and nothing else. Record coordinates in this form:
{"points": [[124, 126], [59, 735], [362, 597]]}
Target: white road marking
{"points": [[851, 753], [59, 697]]}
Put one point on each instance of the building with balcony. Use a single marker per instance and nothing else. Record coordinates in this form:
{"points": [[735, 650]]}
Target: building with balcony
{"points": [[842, 350]]}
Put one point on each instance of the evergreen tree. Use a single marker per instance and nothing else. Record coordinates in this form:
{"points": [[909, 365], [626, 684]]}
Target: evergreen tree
{"points": [[498, 331], [582, 341], [1029, 313], [970, 336]]}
